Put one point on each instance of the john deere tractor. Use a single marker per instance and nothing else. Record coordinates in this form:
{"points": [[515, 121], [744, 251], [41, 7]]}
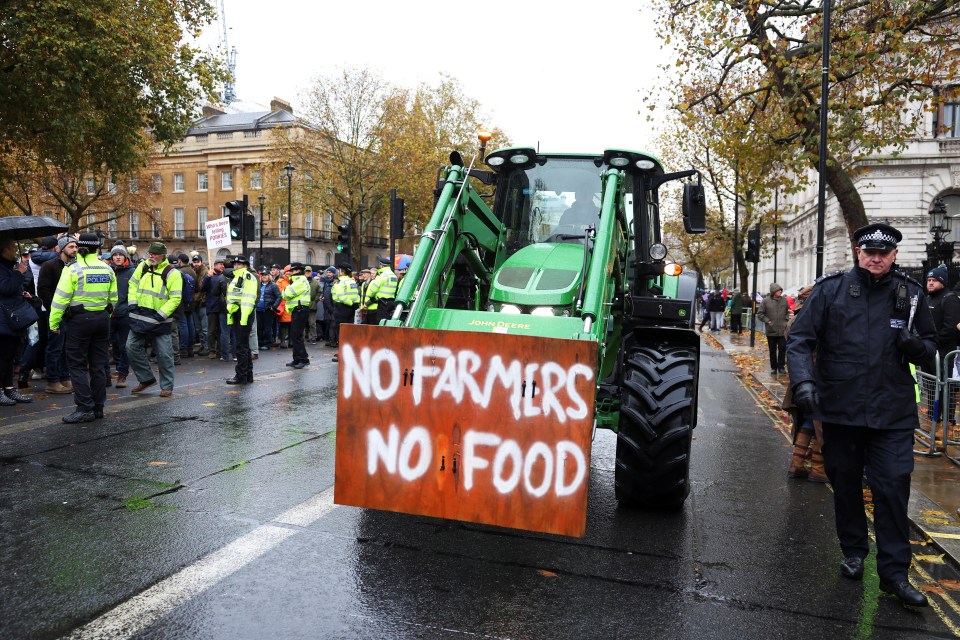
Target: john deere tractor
{"points": [[540, 304]]}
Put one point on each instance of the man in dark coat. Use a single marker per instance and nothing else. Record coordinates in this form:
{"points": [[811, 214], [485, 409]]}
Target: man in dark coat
{"points": [[866, 326], [214, 287], [945, 310], [55, 358]]}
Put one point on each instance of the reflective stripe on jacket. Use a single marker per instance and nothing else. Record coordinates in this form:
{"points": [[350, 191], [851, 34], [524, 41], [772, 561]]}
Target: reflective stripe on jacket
{"points": [[383, 287], [147, 289], [297, 294], [345, 292], [87, 283], [241, 296]]}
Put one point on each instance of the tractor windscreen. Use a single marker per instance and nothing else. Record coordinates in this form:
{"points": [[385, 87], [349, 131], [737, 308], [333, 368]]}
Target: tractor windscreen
{"points": [[552, 202]]}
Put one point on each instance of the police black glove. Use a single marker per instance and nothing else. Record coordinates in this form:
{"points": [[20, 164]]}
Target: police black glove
{"points": [[806, 397], [911, 346]]}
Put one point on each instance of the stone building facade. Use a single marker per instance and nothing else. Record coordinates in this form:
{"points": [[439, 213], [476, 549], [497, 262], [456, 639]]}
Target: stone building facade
{"points": [[899, 189]]}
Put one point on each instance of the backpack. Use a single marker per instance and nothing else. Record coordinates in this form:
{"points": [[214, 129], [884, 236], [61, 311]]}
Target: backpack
{"points": [[189, 284]]}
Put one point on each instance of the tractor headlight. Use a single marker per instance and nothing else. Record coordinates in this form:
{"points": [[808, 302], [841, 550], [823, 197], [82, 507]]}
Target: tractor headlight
{"points": [[542, 311], [658, 251], [510, 308]]}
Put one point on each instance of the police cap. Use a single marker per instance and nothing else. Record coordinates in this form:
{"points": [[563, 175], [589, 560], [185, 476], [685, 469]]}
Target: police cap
{"points": [[296, 266], [243, 259], [877, 236], [383, 261], [345, 266], [88, 240]]}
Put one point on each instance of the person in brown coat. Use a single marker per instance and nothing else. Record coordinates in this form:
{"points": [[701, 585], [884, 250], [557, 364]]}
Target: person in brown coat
{"points": [[807, 433], [774, 313]]}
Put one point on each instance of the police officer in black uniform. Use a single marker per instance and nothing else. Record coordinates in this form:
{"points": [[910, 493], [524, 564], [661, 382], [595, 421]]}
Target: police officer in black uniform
{"points": [[866, 326]]}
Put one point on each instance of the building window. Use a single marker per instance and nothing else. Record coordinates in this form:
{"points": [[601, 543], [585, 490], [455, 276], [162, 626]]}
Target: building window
{"points": [[178, 183], [202, 181], [112, 226], [284, 225], [90, 219], [257, 217], [226, 181], [251, 134], [155, 224], [178, 222], [157, 183], [134, 225], [308, 225], [256, 180], [134, 184], [91, 186], [111, 186], [951, 120], [202, 221], [225, 136]]}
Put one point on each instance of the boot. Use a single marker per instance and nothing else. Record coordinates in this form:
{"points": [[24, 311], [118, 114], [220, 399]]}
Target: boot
{"points": [[16, 396], [797, 468], [817, 472]]}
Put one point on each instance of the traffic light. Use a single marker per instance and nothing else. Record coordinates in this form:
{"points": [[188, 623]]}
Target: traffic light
{"points": [[397, 209], [343, 240], [753, 245], [251, 224], [235, 213]]}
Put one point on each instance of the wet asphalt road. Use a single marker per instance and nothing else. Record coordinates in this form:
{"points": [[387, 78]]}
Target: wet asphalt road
{"points": [[208, 515]]}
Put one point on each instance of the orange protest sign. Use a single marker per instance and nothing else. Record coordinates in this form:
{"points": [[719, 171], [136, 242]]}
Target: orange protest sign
{"points": [[480, 427]]}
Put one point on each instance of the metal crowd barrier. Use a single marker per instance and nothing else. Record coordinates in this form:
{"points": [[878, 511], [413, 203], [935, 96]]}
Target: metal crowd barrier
{"points": [[929, 410], [951, 393]]}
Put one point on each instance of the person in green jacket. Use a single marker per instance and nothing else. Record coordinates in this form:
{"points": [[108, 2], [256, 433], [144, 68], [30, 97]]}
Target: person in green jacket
{"points": [[736, 312]]}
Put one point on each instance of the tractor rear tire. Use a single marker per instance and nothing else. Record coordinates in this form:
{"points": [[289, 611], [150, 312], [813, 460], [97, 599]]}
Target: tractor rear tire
{"points": [[657, 415]]}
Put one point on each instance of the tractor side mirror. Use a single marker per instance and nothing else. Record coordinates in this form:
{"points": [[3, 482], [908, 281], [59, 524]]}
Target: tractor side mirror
{"points": [[694, 208]]}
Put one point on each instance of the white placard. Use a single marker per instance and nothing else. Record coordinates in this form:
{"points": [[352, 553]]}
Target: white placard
{"points": [[218, 233]]}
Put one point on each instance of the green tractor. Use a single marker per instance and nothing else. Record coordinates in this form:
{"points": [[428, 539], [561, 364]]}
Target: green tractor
{"points": [[565, 252]]}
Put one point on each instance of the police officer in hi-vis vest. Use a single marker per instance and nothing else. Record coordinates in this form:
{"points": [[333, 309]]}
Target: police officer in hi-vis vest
{"points": [[85, 297], [241, 301], [379, 297], [297, 297]]}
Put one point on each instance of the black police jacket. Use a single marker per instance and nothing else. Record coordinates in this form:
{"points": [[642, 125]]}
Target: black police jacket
{"points": [[845, 340]]}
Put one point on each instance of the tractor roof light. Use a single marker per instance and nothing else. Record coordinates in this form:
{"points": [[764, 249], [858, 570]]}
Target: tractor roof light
{"points": [[522, 157], [623, 158], [672, 269]]}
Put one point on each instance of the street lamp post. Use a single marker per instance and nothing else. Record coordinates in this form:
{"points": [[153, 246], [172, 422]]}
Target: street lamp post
{"points": [[939, 252], [289, 169], [261, 198]]}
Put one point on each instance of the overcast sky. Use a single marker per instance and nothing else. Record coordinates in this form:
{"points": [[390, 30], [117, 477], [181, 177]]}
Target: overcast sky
{"points": [[567, 75]]}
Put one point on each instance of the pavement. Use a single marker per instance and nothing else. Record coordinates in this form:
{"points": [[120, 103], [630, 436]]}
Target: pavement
{"points": [[935, 486]]}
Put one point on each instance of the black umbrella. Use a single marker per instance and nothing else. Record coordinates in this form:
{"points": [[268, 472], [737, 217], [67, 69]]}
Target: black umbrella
{"points": [[27, 227]]}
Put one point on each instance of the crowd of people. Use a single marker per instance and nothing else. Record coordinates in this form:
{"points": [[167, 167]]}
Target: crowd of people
{"points": [[101, 316]]}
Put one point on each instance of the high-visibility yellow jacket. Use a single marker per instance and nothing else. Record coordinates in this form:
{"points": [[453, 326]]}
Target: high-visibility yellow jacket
{"points": [[86, 283], [383, 287], [297, 293], [241, 296], [149, 289], [345, 292]]}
